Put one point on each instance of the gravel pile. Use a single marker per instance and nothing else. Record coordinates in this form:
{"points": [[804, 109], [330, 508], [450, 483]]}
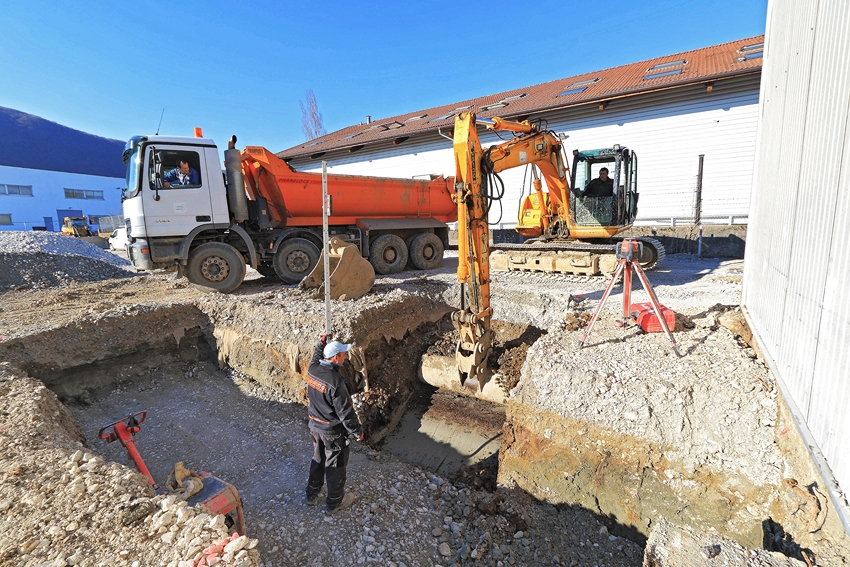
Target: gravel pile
{"points": [[61, 504], [41, 260]]}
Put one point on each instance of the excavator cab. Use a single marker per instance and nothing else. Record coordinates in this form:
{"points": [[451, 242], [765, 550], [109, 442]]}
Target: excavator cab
{"points": [[612, 208]]}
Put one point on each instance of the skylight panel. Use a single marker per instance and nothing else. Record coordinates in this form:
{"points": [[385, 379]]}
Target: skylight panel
{"points": [[311, 144], [393, 125], [444, 117], [569, 92], [752, 47], [352, 135], [462, 108], [664, 74], [667, 64], [582, 83], [494, 106], [512, 97], [414, 118]]}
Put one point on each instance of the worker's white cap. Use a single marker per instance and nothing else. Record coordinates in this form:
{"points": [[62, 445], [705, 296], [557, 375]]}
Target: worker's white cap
{"points": [[333, 348]]}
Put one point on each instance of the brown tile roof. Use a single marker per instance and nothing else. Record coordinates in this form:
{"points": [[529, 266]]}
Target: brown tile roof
{"points": [[691, 67]]}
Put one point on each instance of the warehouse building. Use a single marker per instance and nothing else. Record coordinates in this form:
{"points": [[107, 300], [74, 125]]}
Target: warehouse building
{"points": [[683, 114], [49, 172], [797, 263]]}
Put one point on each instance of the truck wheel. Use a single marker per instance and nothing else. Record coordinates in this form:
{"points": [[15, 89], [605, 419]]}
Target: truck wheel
{"points": [[215, 266], [388, 254], [426, 251], [295, 259]]}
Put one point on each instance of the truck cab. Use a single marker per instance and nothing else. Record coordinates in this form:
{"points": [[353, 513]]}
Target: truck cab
{"points": [[166, 211]]}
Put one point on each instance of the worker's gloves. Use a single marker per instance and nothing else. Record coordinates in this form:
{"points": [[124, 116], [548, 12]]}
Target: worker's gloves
{"points": [[362, 436], [326, 337]]}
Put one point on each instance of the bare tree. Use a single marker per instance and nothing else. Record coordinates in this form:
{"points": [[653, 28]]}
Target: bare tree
{"points": [[311, 118]]}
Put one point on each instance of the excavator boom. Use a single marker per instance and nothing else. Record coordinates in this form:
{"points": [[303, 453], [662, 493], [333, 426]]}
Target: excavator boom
{"points": [[473, 267]]}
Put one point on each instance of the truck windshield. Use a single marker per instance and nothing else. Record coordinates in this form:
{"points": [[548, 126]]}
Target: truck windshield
{"points": [[133, 160]]}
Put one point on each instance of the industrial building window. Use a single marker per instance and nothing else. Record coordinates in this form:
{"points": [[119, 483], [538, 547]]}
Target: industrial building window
{"points": [[5, 219], [22, 190], [83, 194]]}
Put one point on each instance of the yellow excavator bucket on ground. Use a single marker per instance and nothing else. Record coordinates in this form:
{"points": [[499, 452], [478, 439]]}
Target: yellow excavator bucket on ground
{"points": [[351, 274]]}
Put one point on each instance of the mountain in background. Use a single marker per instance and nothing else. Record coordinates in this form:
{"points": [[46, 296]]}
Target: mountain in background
{"points": [[31, 142]]}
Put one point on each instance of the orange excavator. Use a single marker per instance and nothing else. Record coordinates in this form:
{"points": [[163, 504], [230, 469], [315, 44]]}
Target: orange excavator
{"points": [[569, 230]]}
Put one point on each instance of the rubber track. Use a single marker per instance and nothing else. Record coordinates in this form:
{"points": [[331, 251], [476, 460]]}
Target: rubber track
{"points": [[576, 246]]}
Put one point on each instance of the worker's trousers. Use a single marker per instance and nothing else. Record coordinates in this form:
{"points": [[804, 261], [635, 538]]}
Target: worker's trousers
{"points": [[330, 457]]}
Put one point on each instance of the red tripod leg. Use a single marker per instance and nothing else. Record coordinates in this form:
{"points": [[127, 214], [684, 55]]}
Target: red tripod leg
{"points": [[627, 290], [655, 304], [605, 295]]}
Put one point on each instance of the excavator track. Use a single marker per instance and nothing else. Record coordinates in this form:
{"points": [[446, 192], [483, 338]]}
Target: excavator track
{"points": [[569, 257]]}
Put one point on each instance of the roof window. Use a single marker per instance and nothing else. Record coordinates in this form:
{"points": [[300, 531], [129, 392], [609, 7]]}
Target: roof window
{"points": [[494, 106], [351, 135], [752, 47], [393, 125], [664, 74], [376, 127], [569, 92], [512, 97], [751, 51], [414, 118], [462, 108], [311, 144], [582, 83], [667, 64], [444, 117]]}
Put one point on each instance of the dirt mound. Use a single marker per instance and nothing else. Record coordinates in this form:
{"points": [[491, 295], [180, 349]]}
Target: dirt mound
{"points": [[39, 270]]}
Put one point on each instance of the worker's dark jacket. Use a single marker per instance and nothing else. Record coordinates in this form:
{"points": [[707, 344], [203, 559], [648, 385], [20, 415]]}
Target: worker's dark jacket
{"points": [[599, 188], [331, 410]]}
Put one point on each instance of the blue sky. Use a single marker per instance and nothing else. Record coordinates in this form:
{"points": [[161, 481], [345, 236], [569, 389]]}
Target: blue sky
{"points": [[109, 68]]}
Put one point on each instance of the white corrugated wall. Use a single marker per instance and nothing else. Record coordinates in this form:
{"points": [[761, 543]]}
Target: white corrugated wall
{"points": [[797, 264], [668, 130]]}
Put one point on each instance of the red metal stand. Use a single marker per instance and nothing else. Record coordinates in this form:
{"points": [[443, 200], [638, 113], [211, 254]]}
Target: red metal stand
{"points": [[628, 253]]}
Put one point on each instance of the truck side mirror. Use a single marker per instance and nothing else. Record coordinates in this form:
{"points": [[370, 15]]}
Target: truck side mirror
{"points": [[155, 166]]}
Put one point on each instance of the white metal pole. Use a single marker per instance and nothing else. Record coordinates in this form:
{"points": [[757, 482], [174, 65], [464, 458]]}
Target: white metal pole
{"points": [[326, 206]]}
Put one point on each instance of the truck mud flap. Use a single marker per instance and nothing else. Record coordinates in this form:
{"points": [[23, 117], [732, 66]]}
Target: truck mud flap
{"points": [[578, 263], [351, 274]]}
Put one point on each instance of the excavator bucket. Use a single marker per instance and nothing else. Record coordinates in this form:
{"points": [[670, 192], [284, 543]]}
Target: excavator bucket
{"points": [[351, 274]]}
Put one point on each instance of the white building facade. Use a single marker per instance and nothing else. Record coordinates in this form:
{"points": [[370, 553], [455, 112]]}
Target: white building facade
{"points": [[668, 126], [797, 263], [37, 198]]}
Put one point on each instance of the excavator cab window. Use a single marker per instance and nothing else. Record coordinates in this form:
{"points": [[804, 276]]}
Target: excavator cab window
{"points": [[174, 171], [595, 195]]}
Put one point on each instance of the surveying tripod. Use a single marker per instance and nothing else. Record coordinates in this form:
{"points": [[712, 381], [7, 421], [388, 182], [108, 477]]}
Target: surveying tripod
{"points": [[628, 254]]}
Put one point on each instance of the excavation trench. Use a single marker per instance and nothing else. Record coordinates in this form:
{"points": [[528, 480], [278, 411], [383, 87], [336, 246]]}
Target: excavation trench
{"points": [[223, 383], [225, 396]]}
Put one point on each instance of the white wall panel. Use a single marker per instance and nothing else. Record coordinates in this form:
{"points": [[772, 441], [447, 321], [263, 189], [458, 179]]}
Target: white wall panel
{"points": [[48, 189], [797, 265], [668, 130]]}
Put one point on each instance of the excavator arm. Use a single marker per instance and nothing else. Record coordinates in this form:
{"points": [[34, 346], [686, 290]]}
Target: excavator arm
{"points": [[473, 268], [474, 193]]}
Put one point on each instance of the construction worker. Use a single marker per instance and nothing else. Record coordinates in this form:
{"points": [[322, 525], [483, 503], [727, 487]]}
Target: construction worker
{"points": [[332, 421]]}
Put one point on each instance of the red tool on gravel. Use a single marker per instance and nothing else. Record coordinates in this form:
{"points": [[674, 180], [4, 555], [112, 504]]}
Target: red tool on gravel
{"points": [[217, 496], [628, 254]]}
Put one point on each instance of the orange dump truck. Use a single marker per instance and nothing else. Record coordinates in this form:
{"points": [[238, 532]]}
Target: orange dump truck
{"points": [[180, 211]]}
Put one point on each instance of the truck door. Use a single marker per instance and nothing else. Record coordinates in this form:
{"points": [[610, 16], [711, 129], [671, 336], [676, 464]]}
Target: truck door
{"points": [[175, 190]]}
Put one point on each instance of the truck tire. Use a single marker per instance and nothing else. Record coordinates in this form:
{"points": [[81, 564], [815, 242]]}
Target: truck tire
{"points": [[295, 259], [388, 254], [426, 251], [216, 266]]}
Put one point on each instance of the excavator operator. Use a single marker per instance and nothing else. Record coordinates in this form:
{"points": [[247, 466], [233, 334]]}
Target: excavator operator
{"points": [[602, 186]]}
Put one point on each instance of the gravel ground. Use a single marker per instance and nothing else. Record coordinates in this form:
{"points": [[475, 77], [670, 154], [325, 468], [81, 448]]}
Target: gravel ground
{"points": [[404, 515]]}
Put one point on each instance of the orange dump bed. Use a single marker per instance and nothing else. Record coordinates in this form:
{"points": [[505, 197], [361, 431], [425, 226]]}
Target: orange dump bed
{"points": [[295, 198]]}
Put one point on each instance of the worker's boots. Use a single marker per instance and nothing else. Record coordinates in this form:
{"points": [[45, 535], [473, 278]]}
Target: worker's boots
{"points": [[346, 502]]}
